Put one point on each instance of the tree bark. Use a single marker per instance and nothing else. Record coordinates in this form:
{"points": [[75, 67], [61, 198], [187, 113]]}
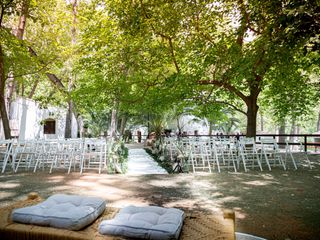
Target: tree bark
{"points": [[23, 19], [123, 124], [12, 83], [282, 130], [80, 126], [293, 130], [178, 125], [252, 110], [11, 88], [3, 109], [261, 122], [68, 127], [34, 87], [211, 125], [113, 127], [318, 122]]}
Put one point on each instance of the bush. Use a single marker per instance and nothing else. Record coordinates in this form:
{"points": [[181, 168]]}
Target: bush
{"points": [[161, 160]]}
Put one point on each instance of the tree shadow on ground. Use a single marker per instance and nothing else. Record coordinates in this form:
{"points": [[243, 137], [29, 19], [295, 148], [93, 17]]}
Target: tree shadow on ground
{"points": [[275, 205]]}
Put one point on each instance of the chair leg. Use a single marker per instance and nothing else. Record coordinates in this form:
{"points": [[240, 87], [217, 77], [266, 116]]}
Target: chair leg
{"points": [[267, 161]]}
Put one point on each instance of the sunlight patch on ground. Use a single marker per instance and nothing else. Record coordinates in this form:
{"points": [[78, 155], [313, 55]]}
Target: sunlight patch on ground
{"points": [[203, 185], [239, 213], [56, 179], [127, 202], [9, 185], [108, 196], [97, 187], [4, 195], [227, 199], [108, 181], [268, 176], [258, 183], [161, 183], [62, 189], [191, 205], [82, 183], [216, 194], [91, 177]]}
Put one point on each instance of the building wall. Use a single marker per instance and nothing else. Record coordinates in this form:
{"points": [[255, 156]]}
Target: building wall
{"points": [[189, 125], [26, 120]]}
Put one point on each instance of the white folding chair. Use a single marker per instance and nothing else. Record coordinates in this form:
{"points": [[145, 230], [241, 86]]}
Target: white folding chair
{"points": [[302, 154], [94, 155], [76, 151], [5, 153], [227, 152], [270, 153], [248, 153], [61, 155], [24, 154], [46, 153], [199, 156]]}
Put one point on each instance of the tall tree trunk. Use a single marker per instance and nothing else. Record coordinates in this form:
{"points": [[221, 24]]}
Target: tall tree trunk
{"points": [[318, 122], [68, 128], [12, 83], [80, 126], [178, 125], [123, 124], [23, 19], [282, 130], [74, 29], [3, 109], [261, 122], [293, 131], [113, 126], [252, 110], [210, 128], [11, 89], [22, 89], [34, 87]]}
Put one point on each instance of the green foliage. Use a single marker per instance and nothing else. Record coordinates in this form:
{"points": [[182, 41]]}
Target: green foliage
{"points": [[118, 154], [16, 56], [290, 92], [165, 163], [147, 58], [97, 122]]}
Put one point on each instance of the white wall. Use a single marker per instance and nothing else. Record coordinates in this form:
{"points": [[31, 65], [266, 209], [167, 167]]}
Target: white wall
{"points": [[26, 117], [189, 126], [1, 130]]}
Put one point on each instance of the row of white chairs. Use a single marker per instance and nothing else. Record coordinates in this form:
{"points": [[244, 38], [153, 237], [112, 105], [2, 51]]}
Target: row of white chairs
{"points": [[71, 154], [207, 154]]}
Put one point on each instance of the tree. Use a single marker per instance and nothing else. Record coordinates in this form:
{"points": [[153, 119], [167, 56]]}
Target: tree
{"points": [[13, 54], [3, 109], [233, 46], [117, 69]]}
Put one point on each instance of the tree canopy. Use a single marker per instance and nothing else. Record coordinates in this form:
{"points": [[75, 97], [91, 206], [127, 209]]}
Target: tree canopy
{"points": [[147, 57]]}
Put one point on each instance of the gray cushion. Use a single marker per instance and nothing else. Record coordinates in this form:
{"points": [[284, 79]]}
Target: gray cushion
{"points": [[145, 223], [62, 211]]}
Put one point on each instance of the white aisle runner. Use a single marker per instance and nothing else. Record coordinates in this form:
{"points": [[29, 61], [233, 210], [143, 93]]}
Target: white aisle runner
{"points": [[139, 162]]}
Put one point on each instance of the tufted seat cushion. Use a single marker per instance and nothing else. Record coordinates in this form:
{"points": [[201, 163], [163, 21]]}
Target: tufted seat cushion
{"points": [[145, 223], [62, 211]]}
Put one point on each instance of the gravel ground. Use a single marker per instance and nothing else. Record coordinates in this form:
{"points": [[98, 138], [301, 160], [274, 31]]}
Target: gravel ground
{"points": [[274, 205]]}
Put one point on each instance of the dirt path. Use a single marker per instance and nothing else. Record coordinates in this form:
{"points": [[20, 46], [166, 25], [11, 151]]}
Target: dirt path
{"points": [[275, 205]]}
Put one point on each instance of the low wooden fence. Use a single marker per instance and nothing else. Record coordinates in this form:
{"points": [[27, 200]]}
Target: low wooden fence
{"points": [[307, 140]]}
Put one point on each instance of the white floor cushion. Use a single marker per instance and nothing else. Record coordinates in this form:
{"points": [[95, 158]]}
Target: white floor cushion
{"points": [[145, 223], [62, 211]]}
